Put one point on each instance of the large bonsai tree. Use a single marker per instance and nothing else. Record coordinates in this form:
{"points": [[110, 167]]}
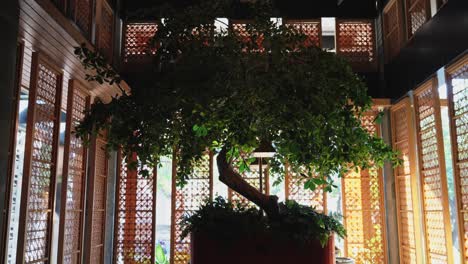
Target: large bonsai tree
{"points": [[228, 91]]}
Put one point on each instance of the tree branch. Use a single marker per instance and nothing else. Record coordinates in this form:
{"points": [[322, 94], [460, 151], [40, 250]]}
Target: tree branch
{"points": [[227, 175]]}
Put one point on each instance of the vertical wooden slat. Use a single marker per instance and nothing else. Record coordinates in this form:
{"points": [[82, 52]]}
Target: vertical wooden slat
{"points": [[135, 215], [457, 84], [96, 201], [185, 201], [406, 184], [37, 202], [431, 160], [363, 209], [74, 178]]}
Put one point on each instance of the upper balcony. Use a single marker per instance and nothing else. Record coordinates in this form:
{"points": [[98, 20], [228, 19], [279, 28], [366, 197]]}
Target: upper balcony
{"points": [[353, 39]]}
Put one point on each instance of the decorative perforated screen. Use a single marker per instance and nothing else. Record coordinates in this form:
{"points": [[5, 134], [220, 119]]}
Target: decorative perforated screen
{"points": [[105, 30], [364, 209], [82, 12], [294, 190], [406, 184], [137, 37], [392, 29], [40, 162], [432, 172], [135, 216], [355, 41], [312, 29], [252, 41], [185, 201], [74, 175], [417, 12], [97, 202], [458, 105]]}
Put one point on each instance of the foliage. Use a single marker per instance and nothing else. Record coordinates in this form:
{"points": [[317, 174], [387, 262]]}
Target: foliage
{"points": [[227, 221], [213, 89], [160, 255]]}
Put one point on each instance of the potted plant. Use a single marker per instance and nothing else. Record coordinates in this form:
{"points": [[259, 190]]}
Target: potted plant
{"points": [[229, 91]]}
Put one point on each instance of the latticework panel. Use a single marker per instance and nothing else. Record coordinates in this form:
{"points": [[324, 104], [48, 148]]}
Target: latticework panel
{"points": [[40, 162], [416, 15], [392, 29], [356, 42], [432, 173], [295, 190], [105, 30], [97, 204], [136, 41], [458, 103], [186, 200], [135, 216], [252, 42], [253, 178], [406, 184], [364, 210], [74, 176], [82, 12], [312, 29]]}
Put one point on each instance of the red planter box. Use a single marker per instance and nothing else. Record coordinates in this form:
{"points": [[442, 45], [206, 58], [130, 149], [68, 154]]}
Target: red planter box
{"points": [[258, 250]]}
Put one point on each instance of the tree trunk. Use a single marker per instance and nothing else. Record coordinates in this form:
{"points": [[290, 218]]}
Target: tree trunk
{"points": [[227, 175]]}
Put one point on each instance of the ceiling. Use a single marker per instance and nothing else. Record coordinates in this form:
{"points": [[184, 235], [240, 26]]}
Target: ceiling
{"points": [[298, 9]]}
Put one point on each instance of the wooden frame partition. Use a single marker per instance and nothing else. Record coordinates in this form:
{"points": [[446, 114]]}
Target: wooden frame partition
{"points": [[417, 13], [294, 190], [312, 28], [393, 28], [431, 159], [135, 215], [355, 41], [363, 205], [40, 163], [406, 184], [187, 199], [95, 230], [457, 87], [70, 242]]}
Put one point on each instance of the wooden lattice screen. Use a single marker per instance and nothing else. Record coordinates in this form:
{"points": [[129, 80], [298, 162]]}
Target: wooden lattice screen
{"points": [[363, 209], [311, 28], [96, 206], [406, 184], [136, 40], [252, 43], [40, 163], [417, 13], [185, 201], [105, 29], [135, 216], [355, 41], [294, 190], [393, 28], [74, 178], [458, 110], [433, 180], [81, 12]]}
